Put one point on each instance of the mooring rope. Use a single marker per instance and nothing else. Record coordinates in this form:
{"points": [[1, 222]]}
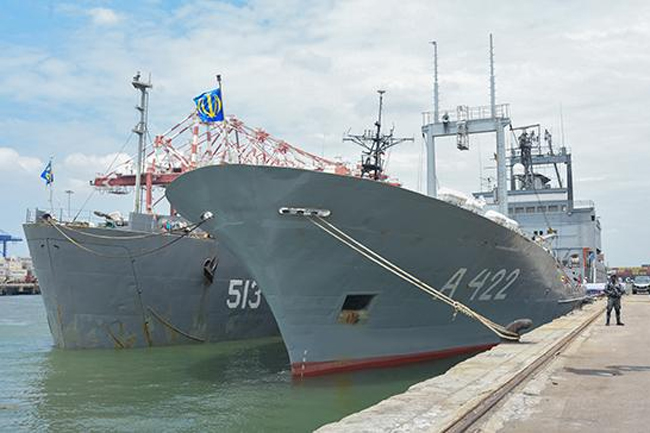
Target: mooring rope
{"points": [[123, 256], [98, 236], [371, 255]]}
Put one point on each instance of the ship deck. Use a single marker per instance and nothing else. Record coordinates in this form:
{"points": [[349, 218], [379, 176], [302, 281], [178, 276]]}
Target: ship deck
{"points": [[573, 374]]}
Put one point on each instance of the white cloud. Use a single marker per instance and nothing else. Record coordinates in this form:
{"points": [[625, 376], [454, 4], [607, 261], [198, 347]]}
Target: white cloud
{"points": [[11, 161], [95, 164], [104, 16]]}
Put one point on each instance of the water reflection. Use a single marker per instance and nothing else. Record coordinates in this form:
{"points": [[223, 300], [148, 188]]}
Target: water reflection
{"points": [[141, 388], [227, 387]]}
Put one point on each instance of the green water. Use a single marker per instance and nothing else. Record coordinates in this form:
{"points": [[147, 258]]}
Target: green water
{"points": [[227, 387]]}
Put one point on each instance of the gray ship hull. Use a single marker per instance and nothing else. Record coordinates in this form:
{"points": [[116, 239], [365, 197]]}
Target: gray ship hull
{"points": [[315, 285], [94, 301]]}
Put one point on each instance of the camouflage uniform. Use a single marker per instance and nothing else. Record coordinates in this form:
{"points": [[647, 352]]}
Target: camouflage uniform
{"points": [[614, 291]]}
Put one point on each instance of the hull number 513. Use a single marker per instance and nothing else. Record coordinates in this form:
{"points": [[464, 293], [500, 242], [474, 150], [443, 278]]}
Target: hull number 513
{"points": [[243, 294]]}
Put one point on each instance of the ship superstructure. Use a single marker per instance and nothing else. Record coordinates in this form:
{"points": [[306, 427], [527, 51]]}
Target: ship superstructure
{"points": [[534, 180], [541, 200]]}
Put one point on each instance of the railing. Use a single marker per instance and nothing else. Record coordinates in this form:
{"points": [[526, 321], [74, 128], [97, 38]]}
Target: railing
{"points": [[64, 215], [465, 113], [583, 204], [538, 149]]}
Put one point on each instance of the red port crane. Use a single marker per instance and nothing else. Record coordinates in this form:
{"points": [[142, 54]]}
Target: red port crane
{"points": [[191, 144]]}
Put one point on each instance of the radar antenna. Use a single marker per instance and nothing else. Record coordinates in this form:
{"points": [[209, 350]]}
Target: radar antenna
{"points": [[375, 144]]}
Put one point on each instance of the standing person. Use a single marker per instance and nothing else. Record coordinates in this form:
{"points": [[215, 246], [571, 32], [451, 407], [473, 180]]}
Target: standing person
{"points": [[614, 291]]}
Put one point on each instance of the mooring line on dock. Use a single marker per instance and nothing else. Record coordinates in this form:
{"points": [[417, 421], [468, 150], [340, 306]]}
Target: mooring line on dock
{"points": [[478, 411]]}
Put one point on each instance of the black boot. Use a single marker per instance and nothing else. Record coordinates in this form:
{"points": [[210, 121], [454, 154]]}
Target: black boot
{"points": [[607, 323]]}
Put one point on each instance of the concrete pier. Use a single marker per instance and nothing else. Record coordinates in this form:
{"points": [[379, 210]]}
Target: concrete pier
{"points": [[599, 381]]}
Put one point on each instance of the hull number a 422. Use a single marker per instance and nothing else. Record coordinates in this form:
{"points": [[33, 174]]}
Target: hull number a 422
{"points": [[243, 294], [487, 285]]}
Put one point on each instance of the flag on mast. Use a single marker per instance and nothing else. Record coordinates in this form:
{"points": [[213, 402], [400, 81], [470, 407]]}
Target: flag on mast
{"points": [[48, 174], [209, 106]]}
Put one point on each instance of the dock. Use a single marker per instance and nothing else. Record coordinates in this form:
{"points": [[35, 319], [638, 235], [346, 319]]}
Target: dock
{"points": [[19, 289], [571, 375]]}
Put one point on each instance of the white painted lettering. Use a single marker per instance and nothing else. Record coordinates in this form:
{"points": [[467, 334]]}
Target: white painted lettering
{"points": [[258, 296], [496, 280], [478, 282], [234, 291], [453, 282], [509, 280]]}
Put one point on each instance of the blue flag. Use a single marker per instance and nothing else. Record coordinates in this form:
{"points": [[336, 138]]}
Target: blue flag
{"points": [[48, 174], [210, 106]]}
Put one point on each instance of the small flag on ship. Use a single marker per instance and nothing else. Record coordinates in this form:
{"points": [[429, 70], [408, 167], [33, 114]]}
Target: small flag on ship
{"points": [[48, 174], [210, 106]]}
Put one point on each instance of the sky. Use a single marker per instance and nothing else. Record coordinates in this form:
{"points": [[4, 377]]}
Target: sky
{"points": [[308, 71]]}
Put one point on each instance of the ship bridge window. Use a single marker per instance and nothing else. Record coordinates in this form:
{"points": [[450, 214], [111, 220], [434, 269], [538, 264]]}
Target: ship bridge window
{"points": [[530, 209], [541, 209], [519, 210], [553, 208], [355, 309]]}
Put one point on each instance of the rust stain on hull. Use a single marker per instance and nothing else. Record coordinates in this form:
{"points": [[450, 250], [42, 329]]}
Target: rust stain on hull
{"points": [[173, 328], [120, 343]]}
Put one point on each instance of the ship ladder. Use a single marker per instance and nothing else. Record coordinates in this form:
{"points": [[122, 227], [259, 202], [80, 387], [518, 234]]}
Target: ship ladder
{"points": [[371, 255]]}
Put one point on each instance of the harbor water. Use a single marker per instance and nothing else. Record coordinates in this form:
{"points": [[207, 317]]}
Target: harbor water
{"points": [[226, 387]]}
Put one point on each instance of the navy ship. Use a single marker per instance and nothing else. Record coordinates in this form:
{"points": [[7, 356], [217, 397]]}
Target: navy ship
{"points": [[141, 286], [362, 273], [151, 279]]}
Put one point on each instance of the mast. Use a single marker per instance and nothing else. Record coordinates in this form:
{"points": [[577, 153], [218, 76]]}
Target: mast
{"points": [[493, 98], [141, 130], [378, 123], [220, 91], [436, 100], [375, 144], [502, 175]]}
